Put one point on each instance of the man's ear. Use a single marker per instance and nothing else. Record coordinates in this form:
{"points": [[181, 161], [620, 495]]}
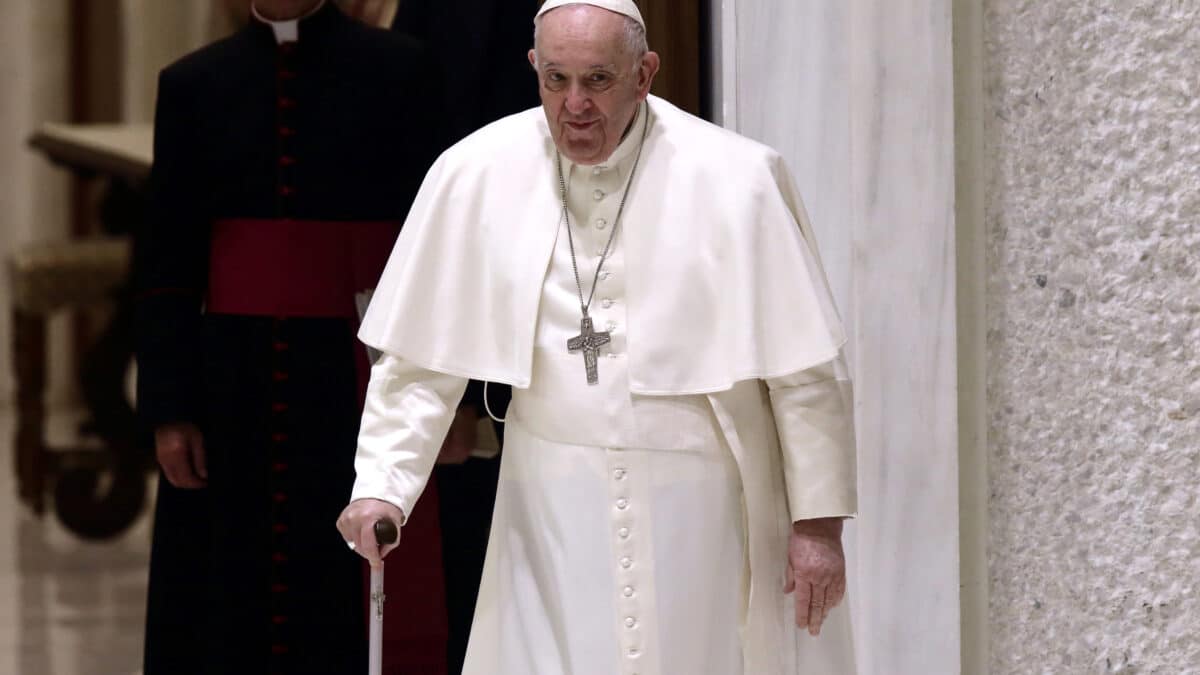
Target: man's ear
{"points": [[533, 58], [646, 72]]}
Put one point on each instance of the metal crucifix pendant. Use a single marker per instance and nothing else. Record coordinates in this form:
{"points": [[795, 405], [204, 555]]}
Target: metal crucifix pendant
{"points": [[589, 342]]}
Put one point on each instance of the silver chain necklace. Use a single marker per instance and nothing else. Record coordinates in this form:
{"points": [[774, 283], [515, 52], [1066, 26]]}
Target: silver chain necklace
{"points": [[589, 341]]}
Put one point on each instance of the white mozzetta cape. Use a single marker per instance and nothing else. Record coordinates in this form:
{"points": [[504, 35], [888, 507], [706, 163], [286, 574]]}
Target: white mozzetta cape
{"points": [[723, 281], [724, 289]]}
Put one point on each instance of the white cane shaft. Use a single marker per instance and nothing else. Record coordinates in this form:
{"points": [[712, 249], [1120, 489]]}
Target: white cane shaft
{"points": [[375, 660]]}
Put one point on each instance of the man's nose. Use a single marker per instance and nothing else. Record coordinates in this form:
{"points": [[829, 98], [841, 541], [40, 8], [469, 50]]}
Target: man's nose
{"points": [[577, 100]]}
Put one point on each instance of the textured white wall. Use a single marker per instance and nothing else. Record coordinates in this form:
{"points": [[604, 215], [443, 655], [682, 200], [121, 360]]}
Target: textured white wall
{"points": [[1093, 215]]}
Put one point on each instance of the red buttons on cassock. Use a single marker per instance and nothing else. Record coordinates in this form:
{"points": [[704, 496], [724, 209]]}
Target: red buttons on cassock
{"points": [[279, 649], [280, 376], [279, 497], [286, 131], [279, 467], [279, 557], [285, 74], [279, 588], [287, 190], [279, 438], [279, 619], [285, 102], [286, 160], [279, 528], [279, 407]]}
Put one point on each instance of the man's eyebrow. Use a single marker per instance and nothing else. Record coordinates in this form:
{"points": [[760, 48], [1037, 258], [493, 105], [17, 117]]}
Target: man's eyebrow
{"points": [[600, 66]]}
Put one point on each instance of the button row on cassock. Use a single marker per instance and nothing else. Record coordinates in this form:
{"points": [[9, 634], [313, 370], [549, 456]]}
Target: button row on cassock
{"points": [[285, 104], [630, 637], [279, 439]]}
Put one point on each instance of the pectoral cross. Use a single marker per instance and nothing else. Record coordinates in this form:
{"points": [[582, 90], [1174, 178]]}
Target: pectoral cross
{"points": [[589, 342]]}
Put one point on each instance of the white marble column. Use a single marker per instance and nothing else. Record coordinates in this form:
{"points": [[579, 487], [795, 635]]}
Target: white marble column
{"points": [[858, 96]]}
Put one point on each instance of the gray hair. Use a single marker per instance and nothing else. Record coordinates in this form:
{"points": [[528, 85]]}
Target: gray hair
{"points": [[633, 37]]}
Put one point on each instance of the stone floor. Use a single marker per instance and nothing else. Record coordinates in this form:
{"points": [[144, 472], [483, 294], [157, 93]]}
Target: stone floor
{"points": [[67, 607]]}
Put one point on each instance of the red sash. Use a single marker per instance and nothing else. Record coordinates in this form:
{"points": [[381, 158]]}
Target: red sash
{"points": [[313, 269]]}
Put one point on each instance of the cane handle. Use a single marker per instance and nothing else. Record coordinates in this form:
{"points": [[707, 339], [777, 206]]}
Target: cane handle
{"points": [[385, 532]]}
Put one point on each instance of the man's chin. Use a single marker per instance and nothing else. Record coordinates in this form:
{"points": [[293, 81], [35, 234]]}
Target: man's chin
{"points": [[581, 152]]}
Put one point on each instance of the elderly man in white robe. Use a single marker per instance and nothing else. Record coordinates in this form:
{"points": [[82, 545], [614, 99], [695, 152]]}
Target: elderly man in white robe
{"points": [[679, 455]]}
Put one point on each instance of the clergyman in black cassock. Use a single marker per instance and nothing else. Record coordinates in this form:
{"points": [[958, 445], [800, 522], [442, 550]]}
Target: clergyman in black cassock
{"points": [[283, 169]]}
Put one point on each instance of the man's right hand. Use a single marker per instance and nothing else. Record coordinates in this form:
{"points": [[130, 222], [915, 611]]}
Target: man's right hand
{"points": [[357, 525], [180, 452]]}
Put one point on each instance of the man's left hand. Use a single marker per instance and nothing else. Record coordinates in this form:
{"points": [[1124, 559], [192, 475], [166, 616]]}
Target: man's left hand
{"points": [[816, 570]]}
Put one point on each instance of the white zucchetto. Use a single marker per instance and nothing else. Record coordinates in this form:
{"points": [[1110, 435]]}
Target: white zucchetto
{"points": [[626, 7]]}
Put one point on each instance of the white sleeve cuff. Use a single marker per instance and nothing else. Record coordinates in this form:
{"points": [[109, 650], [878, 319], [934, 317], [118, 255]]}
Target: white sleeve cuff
{"points": [[815, 421], [406, 416]]}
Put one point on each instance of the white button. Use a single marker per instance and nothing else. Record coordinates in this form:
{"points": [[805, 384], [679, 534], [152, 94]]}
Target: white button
{"points": [[623, 533], [633, 653], [604, 276], [600, 252], [601, 224], [606, 303], [619, 474], [612, 325], [622, 503], [598, 195], [627, 591], [597, 170], [630, 622], [612, 355], [626, 562]]}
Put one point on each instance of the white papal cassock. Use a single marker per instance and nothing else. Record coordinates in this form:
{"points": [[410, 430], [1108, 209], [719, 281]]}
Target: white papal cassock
{"points": [[622, 536]]}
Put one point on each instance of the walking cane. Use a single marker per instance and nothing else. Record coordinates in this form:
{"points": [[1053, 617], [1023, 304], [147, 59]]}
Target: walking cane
{"points": [[385, 533]]}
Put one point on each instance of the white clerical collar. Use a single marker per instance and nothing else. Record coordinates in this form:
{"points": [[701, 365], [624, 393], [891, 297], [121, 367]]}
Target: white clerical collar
{"points": [[628, 145], [287, 30]]}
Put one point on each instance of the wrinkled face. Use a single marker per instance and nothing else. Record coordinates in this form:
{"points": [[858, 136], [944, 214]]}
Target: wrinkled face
{"points": [[590, 84]]}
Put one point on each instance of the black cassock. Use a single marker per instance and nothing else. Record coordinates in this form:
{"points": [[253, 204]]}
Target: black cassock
{"points": [[479, 51], [275, 159]]}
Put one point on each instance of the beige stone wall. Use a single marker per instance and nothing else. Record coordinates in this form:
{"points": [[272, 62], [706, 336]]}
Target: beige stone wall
{"points": [[35, 87], [155, 33], [33, 195]]}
